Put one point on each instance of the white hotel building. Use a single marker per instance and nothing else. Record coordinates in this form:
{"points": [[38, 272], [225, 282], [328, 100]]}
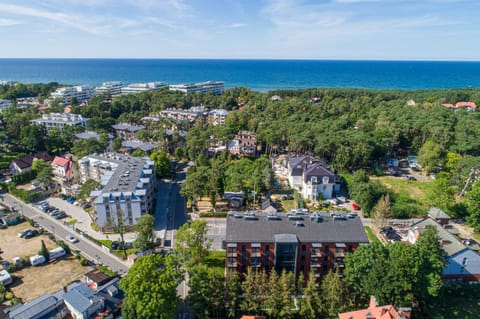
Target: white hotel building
{"points": [[203, 87], [112, 88], [143, 87], [127, 184], [65, 94], [60, 120]]}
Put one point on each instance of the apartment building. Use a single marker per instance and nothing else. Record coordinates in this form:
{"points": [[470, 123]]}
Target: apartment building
{"points": [[65, 94], [110, 88], [127, 184], [217, 116], [244, 143], [135, 88], [127, 131], [60, 120], [203, 87], [298, 243], [191, 114]]}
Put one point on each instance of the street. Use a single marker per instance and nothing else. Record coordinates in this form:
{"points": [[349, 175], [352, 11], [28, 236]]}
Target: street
{"points": [[86, 248]]}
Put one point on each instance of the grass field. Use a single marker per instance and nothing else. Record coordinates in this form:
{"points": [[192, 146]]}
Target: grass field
{"points": [[416, 190], [371, 235]]}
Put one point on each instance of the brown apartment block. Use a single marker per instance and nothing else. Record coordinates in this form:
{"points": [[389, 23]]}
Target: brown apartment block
{"points": [[299, 243]]}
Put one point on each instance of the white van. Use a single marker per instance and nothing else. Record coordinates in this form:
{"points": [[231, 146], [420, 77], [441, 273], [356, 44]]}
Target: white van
{"points": [[37, 260], [56, 253]]}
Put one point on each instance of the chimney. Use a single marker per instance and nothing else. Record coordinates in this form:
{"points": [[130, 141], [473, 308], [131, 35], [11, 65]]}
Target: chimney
{"points": [[373, 303], [65, 289]]}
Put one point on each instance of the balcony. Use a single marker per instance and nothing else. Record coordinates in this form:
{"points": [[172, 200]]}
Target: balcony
{"points": [[317, 274], [316, 263], [232, 265], [256, 254], [317, 253], [232, 254], [256, 265], [339, 265], [339, 254]]}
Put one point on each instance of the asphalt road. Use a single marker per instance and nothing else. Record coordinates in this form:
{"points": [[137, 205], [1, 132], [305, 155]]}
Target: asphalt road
{"points": [[88, 249]]}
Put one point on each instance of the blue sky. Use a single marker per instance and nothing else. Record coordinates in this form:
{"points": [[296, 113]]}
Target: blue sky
{"points": [[322, 29]]}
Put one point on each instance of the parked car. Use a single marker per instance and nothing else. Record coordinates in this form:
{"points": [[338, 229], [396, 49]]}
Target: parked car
{"points": [[60, 215], [63, 196], [23, 233], [31, 234], [355, 206]]}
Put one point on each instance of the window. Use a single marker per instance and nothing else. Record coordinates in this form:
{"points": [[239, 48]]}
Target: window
{"points": [[267, 256], [244, 255]]}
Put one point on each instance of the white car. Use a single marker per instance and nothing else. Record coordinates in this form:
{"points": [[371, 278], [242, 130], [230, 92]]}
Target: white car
{"points": [[72, 239]]}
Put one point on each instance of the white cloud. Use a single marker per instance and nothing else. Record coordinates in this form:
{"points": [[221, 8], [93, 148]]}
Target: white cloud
{"points": [[9, 22], [236, 25], [70, 20]]}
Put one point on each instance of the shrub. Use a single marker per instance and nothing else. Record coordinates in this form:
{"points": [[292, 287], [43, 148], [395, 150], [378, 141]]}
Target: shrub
{"points": [[9, 295], [83, 261]]}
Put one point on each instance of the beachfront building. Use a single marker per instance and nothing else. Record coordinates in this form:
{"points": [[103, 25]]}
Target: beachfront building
{"points": [[109, 88], [217, 116], [203, 87], [60, 120], [244, 144], [65, 94], [135, 88], [312, 178], [299, 243], [26, 102], [5, 104], [127, 131], [127, 184]]}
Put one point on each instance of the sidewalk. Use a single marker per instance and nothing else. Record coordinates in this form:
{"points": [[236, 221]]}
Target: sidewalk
{"points": [[84, 222]]}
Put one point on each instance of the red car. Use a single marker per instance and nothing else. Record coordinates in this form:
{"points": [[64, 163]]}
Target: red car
{"points": [[355, 206]]}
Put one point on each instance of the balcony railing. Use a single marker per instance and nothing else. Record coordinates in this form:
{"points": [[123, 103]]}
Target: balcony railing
{"points": [[232, 254], [256, 254], [339, 265], [232, 265], [317, 253], [339, 254], [256, 265]]}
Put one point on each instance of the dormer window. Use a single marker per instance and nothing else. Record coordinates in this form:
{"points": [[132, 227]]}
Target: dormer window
{"points": [[313, 179]]}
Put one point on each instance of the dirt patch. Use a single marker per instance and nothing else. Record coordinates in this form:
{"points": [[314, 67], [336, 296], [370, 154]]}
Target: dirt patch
{"points": [[33, 282], [14, 246]]}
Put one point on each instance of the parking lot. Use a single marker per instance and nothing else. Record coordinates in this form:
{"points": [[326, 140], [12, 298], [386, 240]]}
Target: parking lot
{"points": [[217, 228], [32, 282]]}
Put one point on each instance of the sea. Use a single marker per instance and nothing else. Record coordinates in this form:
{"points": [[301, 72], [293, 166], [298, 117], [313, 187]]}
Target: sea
{"points": [[258, 75]]}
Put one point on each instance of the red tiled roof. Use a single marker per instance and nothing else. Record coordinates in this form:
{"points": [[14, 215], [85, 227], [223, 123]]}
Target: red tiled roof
{"points": [[467, 104], [376, 312], [449, 105], [60, 161], [27, 160]]}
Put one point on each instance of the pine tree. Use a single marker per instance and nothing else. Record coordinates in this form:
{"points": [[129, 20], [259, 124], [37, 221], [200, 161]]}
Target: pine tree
{"points": [[232, 294], [334, 296], [310, 303], [44, 251]]}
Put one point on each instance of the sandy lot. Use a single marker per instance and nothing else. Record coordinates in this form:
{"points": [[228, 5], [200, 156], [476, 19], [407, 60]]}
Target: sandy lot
{"points": [[32, 282]]}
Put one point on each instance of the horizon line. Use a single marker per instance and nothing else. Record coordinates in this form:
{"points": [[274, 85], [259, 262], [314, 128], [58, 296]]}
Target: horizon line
{"points": [[249, 59]]}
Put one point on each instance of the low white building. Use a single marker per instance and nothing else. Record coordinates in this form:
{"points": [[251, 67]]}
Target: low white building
{"points": [[5, 278], [127, 184], [60, 120], [210, 86], [217, 116], [311, 177]]}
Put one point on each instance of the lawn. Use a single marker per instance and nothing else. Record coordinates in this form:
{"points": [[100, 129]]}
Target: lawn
{"points": [[416, 190], [371, 236], [216, 261], [458, 302]]}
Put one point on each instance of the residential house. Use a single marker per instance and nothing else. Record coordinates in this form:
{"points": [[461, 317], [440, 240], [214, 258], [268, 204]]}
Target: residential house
{"points": [[375, 311], [86, 135], [96, 278], [60, 120], [5, 104], [244, 144], [469, 106], [83, 302], [299, 243], [127, 131], [62, 168], [463, 264], [49, 306], [24, 163], [131, 145], [439, 216], [312, 178]]}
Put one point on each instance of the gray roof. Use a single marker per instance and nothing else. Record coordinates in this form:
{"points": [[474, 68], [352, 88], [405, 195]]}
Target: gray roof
{"points": [[140, 145], [313, 166], [128, 127], [451, 244], [317, 170], [88, 134], [264, 227], [79, 297], [32, 309], [435, 213]]}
